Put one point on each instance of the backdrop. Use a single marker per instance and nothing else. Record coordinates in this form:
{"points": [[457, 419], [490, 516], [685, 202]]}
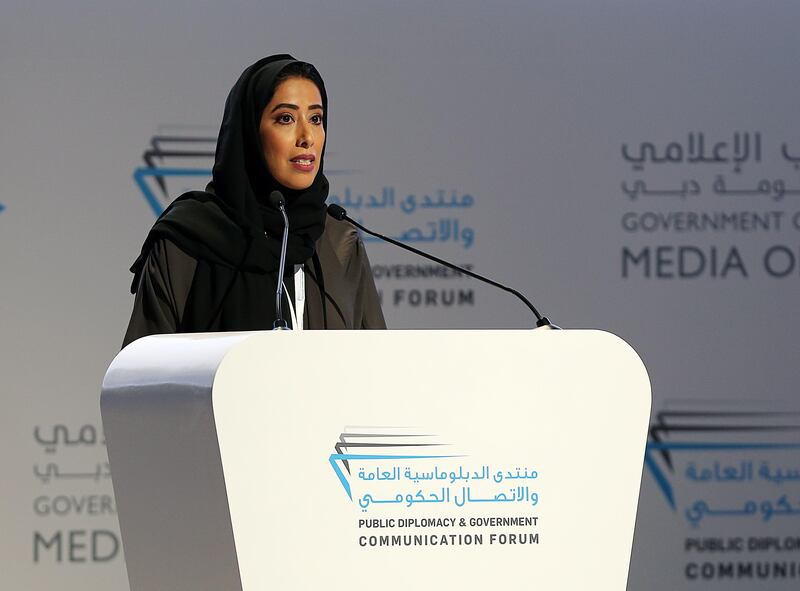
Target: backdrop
{"points": [[632, 166]]}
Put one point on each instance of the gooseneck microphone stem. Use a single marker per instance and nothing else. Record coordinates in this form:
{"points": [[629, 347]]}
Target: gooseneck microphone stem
{"points": [[279, 202], [339, 213]]}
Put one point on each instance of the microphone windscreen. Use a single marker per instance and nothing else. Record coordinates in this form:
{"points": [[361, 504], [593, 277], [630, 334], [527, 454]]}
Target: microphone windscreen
{"points": [[337, 212], [276, 200]]}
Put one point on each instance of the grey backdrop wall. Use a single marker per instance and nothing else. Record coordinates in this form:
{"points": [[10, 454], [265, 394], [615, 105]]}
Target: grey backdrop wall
{"points": [[632, 166]]}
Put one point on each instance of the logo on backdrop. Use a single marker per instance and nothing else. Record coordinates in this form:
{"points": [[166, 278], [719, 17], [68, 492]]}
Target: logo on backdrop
{"points": [[733, 478], [178, 159], [404, 482]]}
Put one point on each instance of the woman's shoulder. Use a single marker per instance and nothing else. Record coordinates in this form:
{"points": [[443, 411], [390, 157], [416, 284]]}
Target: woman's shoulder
{"points": [[172, 255], [341, 238], [167, 261], [340, 230]]}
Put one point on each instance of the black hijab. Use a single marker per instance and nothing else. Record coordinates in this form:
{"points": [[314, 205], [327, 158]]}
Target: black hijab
{"points": [[230, 228]]}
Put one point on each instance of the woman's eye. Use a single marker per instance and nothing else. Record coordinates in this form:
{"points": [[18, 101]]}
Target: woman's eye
{"points": [[285, 118], [316, 119]]}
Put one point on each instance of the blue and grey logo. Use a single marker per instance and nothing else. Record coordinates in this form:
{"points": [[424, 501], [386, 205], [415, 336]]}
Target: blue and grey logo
{"points": [[726, 464], [178, 159]]}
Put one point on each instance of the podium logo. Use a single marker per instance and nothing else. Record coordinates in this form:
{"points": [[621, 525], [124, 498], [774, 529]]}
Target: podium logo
{"points": [[393, 470]]}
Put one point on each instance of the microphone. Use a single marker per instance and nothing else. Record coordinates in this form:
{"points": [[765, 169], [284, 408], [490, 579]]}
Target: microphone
{"points": [[278, 202], [338, 212]]}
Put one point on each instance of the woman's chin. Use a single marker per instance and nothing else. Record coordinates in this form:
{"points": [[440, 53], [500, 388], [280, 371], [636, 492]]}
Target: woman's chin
{"points": [[297, 184]]}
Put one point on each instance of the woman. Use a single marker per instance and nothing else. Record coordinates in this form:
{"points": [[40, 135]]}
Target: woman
{"points": [[210, 262]]}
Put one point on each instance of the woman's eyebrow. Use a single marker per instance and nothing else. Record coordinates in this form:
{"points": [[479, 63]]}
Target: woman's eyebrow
{"points": [[294, 107]]}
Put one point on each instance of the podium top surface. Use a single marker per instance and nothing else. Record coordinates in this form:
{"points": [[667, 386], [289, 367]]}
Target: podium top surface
{"points": [[193, 358]]}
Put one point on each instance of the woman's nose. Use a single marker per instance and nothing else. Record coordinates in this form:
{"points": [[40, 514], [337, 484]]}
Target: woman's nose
{"points": [[305, 136]]}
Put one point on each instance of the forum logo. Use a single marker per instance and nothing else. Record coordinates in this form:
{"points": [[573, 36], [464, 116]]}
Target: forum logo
{"points": [[402, 469], [715, 465], [178, 159]]}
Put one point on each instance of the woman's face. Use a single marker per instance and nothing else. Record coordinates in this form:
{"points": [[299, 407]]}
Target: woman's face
{"points": [[292, 134]]}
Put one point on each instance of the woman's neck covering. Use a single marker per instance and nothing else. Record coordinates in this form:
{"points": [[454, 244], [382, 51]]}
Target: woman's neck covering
{"points": [[231, 229]]}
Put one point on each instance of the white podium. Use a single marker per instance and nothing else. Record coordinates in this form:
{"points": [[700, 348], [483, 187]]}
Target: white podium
{"points": [[391, 460]]}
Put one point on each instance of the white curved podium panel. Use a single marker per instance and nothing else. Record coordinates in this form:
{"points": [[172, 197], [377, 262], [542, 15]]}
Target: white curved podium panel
{"points": [[377, 459]]}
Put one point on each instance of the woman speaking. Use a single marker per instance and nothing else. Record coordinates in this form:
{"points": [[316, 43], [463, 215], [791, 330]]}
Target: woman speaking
{"points": [[210, 262]]}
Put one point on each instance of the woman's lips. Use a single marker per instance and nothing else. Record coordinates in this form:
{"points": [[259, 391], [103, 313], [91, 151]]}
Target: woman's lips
{"points": [[303, 162]]}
